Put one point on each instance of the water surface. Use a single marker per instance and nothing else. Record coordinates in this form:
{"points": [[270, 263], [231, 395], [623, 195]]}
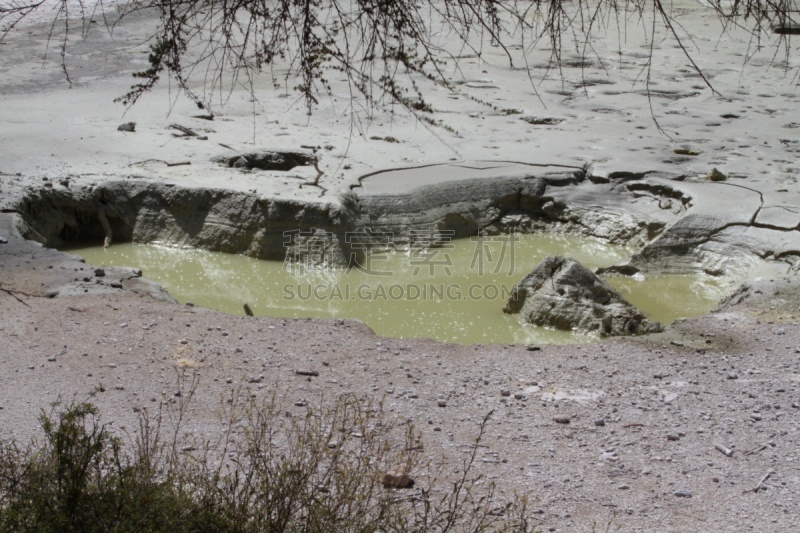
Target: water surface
{"points": [[455, 293]]}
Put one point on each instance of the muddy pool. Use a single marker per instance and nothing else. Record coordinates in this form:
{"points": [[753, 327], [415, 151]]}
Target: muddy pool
{"points": [[454, 293]]}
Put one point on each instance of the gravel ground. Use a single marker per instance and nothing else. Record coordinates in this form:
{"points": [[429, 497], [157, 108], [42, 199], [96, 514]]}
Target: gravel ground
{"points": [[695, 429]]}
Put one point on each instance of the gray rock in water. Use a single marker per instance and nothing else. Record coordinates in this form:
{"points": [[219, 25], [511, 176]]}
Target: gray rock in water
{"points": [[128, 126], [563, 294]]}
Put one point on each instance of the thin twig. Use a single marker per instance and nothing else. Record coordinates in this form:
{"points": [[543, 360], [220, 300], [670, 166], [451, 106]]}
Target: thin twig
{"points": [[760, 485]]}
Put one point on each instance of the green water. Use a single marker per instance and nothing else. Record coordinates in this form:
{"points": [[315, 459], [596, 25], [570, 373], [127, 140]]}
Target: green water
{"points": [[453, 294]]}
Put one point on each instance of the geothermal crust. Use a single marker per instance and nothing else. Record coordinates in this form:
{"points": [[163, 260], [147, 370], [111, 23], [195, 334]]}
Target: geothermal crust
{"points": [[622, 432]]}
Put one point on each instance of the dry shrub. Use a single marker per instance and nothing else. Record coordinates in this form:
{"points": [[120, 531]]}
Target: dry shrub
{"points": [[330, 469]]}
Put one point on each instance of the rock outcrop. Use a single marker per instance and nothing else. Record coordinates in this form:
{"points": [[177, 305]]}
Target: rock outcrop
{"points": [[563, 294]]}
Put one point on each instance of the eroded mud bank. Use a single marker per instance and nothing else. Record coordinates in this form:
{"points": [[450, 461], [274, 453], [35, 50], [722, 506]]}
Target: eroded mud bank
{"points": [[675, 226]]}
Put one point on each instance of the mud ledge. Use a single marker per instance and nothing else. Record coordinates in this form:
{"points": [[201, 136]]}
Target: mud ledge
{"points": [[674, 226]]}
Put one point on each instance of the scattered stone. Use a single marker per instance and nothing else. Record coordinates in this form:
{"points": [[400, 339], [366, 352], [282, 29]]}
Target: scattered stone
{"points": [[441, 403], [673, 437], [716, 175], [99, 272], [600, 422], [128, 126], [481, 84], [306, 372], [786, 28], [543, 121], [562, 420], [392, 480], [682, 493], [563, 294], [3, 240], [505, 392], [724, 450], [687, 151]]}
